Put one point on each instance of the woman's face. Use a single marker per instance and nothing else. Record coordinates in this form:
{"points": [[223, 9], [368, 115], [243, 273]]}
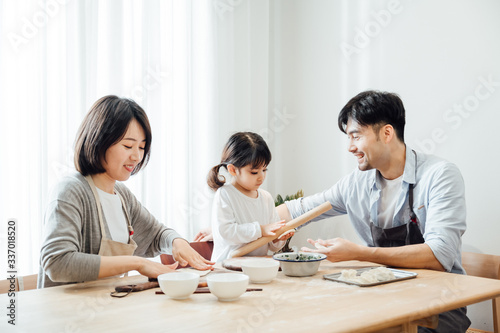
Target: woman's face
{"points": [[122, 157]]}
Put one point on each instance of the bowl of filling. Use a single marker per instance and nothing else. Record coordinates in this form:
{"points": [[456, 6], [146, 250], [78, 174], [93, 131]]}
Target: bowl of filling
{"points": [[299, 264]]}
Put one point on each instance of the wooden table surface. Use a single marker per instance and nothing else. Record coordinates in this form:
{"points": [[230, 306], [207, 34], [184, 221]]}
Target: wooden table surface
{"points": [[290, 304]]}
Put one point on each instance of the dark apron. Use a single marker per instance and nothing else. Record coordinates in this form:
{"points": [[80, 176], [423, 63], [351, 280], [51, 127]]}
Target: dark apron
{"points": [[409, 233], [405, 234]]}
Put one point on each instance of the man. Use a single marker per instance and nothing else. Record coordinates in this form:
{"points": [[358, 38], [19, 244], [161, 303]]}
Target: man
{"points": [[407, 207]]}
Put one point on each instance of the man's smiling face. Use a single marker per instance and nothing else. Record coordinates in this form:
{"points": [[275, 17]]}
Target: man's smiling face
{"points": [[365, 144]]}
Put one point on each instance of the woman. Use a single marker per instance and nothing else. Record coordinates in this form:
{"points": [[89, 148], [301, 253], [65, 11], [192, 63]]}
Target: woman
{"points": [[94, 226]]}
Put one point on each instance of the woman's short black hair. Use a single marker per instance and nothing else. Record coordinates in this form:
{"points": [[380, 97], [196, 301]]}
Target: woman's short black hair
{"points": [[104, 125], [375, 108]]}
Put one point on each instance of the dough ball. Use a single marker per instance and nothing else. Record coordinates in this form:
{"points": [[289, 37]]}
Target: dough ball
{"points": [[286, 233]]}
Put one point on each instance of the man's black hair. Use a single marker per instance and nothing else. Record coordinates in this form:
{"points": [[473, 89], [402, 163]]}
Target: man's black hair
{"points": [[375, 108]]}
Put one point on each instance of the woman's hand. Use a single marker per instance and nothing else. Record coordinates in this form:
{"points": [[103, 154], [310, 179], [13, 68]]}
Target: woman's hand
{"points": [[115, 265], [204, 235], [153, 269], [270, 229], [185, 254]]}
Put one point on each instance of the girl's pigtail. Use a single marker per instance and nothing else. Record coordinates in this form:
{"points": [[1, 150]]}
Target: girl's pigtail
{"points": [[214, 180]]}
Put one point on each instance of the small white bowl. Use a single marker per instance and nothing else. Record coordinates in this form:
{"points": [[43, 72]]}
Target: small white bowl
{"points": [[299, 264], [227, 286], [260, 270], [178, 285]]}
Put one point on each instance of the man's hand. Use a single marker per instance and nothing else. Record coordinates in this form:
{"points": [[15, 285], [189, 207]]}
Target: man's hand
{"points": [[204, 235], [337, 249], [408, 256], [185, 254]]}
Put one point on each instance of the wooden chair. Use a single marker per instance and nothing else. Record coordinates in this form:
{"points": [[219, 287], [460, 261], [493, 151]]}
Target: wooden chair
{"points": [[203, 248], [487, 266], [21, 283]]}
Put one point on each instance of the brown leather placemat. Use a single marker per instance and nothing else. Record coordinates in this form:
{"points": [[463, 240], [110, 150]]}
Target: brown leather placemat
{"points": [[203, 248]]}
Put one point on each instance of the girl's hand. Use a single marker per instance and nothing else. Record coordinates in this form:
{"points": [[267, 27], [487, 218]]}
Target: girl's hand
{"points": [[185, 254], [270, 229]]}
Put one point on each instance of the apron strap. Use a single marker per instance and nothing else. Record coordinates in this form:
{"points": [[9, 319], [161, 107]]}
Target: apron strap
{"points": [[413, 216], [129, 225], [99, 208]]}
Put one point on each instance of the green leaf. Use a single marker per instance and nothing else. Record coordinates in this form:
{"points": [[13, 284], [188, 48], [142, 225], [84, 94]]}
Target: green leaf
{"points": [[279, 199]]}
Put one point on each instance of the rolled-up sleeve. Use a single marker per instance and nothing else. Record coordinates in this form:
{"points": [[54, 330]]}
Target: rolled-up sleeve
{"points": [[333, 195], [446, 215]]}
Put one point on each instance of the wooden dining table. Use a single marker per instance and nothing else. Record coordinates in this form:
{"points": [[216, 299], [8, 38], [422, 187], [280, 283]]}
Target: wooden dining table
{"points": [[286, 304]]}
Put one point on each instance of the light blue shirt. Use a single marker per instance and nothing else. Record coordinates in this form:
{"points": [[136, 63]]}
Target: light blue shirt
{"points": [[438, 202]]}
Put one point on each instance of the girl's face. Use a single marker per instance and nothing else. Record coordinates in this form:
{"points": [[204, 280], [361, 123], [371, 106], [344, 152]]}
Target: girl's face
{"points": [[123, 156], [248, 179]]}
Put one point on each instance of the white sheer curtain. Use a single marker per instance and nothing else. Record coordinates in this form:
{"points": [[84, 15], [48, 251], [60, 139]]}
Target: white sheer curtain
{"points": [[57, 57], [199, 68]]}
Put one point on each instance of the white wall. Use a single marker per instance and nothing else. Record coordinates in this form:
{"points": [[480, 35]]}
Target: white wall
{"points": [[435, 54]]}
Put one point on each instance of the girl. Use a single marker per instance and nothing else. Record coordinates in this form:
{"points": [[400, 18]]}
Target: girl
{"points": [[94, 226], [241, 211]]}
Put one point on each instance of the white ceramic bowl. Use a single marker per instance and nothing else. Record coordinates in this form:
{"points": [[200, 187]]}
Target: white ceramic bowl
{"points": [[178, 285], [227, 286], [299, 264], [260, 270]]}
